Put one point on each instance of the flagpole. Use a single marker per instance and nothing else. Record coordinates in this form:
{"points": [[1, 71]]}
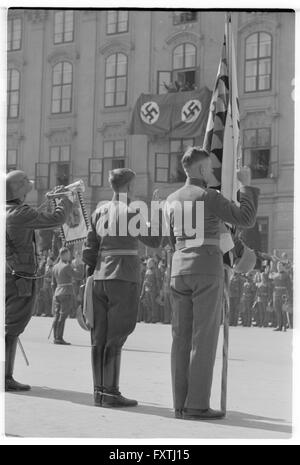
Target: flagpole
{"points": [[226, 300]]}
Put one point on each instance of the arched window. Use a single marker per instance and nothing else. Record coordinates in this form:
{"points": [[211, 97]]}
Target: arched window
{"points": [[13, 93], [258, 62], [62, 81], [116, 80], [184, 66]]}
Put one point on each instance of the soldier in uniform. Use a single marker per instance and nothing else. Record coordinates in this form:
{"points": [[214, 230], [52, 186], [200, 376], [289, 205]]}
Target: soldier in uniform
{"points": [[262, 298], [282, 287], [235, 297], [197, 279], [112, 256], [63, 293], [21, 263], [248, 293]]}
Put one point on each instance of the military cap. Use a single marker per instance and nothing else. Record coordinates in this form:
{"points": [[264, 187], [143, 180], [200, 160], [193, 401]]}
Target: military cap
{"points": [[17, 185]]}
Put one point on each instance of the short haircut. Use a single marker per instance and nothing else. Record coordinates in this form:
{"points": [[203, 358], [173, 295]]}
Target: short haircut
{"points": [[192, 155], [120, 177], [63, 251]]}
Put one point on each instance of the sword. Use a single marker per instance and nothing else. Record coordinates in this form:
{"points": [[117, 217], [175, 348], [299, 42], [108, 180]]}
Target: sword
{"points": [[23, 352], [51, 330]]}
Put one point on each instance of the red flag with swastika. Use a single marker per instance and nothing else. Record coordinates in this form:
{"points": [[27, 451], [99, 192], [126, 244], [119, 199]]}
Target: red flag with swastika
{"points": [[178, 114]]}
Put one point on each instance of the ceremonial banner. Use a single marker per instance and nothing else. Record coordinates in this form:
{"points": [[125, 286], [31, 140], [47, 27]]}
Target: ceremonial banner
{"points": [[175, 114], [222, 138]]}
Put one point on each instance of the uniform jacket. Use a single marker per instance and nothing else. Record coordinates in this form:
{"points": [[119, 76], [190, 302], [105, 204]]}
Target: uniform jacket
{"points": [[123, 267], [62, 277], [208, 259], [21, 221]]}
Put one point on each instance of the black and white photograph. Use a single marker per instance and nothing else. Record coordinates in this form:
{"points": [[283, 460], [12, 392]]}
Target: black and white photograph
{"points": [[148, 159]]}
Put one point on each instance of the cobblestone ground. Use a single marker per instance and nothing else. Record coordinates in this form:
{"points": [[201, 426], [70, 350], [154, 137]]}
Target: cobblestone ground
{"points": [[60, 402]]}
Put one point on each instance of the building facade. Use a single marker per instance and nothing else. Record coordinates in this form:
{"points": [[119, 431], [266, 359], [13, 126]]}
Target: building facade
{"points": [[73, 77]]}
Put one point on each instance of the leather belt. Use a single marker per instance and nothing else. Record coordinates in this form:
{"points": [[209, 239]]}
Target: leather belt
{"points": [[190, 243], [64, 284], [118, 252]]}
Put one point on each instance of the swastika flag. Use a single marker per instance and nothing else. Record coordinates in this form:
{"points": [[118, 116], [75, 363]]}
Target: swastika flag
{"points": [[176, 114]]}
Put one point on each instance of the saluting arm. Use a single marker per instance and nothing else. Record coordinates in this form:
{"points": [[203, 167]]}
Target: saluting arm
{"points": [[28, 217], [243, 216]]}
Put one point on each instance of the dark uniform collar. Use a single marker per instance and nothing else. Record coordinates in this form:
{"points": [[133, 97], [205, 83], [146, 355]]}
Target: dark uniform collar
{"points": [[195, 182]]}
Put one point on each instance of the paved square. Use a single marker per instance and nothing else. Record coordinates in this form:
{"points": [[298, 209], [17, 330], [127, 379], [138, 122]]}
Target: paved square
{"points": [[60, 403]]}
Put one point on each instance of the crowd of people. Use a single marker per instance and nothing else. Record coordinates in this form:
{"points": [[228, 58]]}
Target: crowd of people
{"points": [[259, 298], [263, 298]]}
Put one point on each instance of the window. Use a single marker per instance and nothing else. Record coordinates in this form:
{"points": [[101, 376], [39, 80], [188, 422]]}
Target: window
{"points": [[62, 78], [114, 153], [13, 93], [116, 80], [11, 160], [117, 21], [42, 176], [256, 151], [168, 166], [164, 78], [263, 227], [95, 172], [63, 26], [258, 62], [181, 17], [60, 165], [184, 66], [14, 34]]}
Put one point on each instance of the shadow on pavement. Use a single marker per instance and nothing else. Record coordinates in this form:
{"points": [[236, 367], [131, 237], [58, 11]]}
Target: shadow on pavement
{"points": [[233, 418]]}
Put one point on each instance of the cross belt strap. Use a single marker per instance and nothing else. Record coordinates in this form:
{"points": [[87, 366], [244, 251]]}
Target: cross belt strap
{"points": [[191, 243]]}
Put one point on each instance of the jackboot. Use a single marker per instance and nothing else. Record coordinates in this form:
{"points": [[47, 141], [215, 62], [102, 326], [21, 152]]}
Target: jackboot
{"points": [[111, 375], [97, 367], [10, 355], [60, 331]]}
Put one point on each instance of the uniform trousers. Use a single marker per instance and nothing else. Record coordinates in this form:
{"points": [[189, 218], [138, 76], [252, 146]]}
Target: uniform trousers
{"points": [[115, 305], [196, 303]]}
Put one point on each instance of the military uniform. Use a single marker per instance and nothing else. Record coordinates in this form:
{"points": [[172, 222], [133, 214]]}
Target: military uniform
{"points": [[21, 266], [197, 278], [247, 300], [282, 286], [262, 298], [115, 264], [235, 297], [63, 298]]}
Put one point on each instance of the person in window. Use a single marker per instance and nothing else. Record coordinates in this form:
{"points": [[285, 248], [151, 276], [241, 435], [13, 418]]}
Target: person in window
{"points": [[172, 86], [21, 264]]}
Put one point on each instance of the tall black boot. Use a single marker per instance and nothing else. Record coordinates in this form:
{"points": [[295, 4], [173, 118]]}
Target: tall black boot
{"points": [[10, 355], [97, 367], [111, 375], [60, 332]]}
